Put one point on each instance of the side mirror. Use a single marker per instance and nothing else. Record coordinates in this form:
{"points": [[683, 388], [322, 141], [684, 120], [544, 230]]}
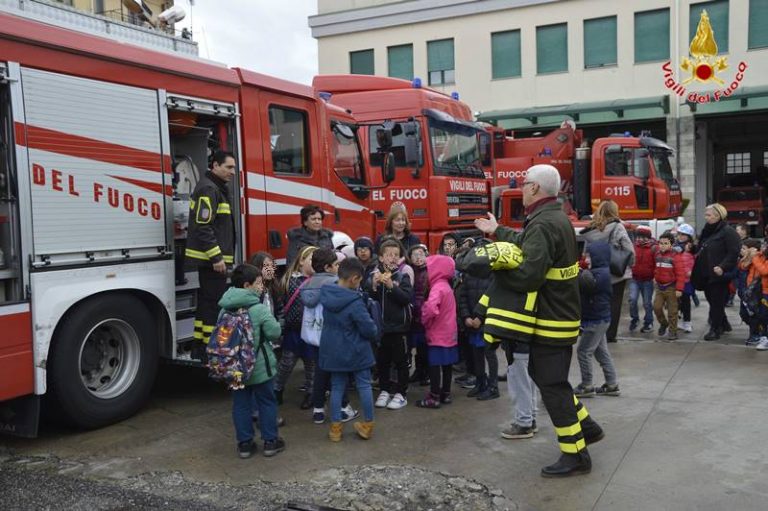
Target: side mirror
{"points": [[384, 138], [412, 144], [388, 168]]}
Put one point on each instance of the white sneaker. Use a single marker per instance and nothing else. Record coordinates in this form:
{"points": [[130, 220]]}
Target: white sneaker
{"points": [[348, 413], [763, 344], [383, 400], [687, 328], [397, 402]]}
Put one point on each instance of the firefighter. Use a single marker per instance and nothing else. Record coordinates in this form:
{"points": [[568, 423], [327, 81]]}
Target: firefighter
{"points": [[211, 244], [534, 298]]}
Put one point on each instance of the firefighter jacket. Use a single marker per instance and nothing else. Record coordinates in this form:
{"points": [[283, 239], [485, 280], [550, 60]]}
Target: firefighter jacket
{"points": [[211, 226], [539, 300]]}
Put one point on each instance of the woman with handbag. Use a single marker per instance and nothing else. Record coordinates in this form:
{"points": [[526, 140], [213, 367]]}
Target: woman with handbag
{"points": [[716, 256], [606, 226]]}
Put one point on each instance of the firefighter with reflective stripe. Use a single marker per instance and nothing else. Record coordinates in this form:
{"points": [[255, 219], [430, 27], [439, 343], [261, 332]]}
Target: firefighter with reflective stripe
{"points": [[211, 244], [534, 298]]}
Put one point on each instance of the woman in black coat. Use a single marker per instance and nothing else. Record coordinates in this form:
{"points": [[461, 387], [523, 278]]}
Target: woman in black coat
{"points": [[717, 254]]}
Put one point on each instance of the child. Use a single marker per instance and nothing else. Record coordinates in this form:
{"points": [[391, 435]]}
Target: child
{"points": [[325, 264], [670, 282], [642, 280], [364, 253], [438, 315], [417, 254], [450, 244], [247, 288], [595, 320], [684, 303], [345, 346], [392, 288], [470, 291], [685, 236], [752, 309], [294, 348], [264, 262]]}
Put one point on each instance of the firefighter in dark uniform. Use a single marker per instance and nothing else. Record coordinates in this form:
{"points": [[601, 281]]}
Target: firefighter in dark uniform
{"points": [[534, 298], [211, 244]]}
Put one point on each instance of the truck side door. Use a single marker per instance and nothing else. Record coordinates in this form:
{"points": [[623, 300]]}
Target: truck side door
{"points": [[625, 180]]}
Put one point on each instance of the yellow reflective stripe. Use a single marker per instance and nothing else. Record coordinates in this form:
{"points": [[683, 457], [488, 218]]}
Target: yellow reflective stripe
{"points": [[196, 254], [533, 319], [487, 337], [568, 273], [575, 400], [213, 252], [558, 324], [530, 300], [530, 330], [192, 204], [582, 414], [569, 430], [573, 448], [207, 329], [229, 259], [224, 208], [204, 201], [484, 300], [197, 335], [198, 323]]}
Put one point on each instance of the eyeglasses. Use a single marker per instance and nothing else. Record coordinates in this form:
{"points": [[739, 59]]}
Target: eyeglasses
{"points": [[528, 183]]}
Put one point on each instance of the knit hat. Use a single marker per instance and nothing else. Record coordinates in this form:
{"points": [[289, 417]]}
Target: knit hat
{"points": [[364, 242], [720, 210], [643, 231]]}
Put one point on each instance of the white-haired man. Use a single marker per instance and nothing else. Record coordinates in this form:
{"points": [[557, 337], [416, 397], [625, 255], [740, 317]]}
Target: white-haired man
{"points": [[538, 303]]}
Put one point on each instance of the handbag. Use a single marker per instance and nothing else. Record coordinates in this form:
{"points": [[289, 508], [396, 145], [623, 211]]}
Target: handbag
{"points": [[620, 257]]}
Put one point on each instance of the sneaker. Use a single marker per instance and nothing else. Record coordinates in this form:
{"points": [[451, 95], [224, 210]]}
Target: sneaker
{"points": [[582, 390], [397, 402], [534, 427], [383, 400], [633, 325], [468, 383], [348, 413], [446, 398], [318, 415], [488, 394], [753, 340], [246, 449], [272, 447], [687, 328], [515, 431], [429, 401], [608, 390], [662, 330], [461, 379], [672, 336], [762, 345], [646, 328]]}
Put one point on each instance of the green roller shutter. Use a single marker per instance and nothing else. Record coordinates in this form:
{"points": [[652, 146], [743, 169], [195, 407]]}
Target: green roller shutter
{"points": [[652, 35], [440, 55], [505, 54], [600, 42], [400, 61], [361, 62], [718, 18], [552, 48], [758, 24]]}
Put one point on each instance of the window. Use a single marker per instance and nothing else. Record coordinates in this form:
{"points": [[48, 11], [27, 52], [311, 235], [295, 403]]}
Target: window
{"points": [[397, 149], [718, 18], [758, 20], [361, 62], [552, 48], [765, 158], [505, 54], [400, 61], [600, 42], [738, 163], [347, 162], [440, 62], [288, 140], [652, 35], [626, 162]]}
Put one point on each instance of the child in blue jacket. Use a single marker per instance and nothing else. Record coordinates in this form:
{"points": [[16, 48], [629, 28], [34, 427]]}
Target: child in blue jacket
{"points": [[345, 345]]}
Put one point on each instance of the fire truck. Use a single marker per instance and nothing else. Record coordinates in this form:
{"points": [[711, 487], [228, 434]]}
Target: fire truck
{"points": [[435, 143], [101, 145], [632, 171]]}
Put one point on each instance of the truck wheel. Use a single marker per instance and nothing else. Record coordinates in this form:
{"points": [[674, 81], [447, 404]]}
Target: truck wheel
{"points": [[103, 362]]}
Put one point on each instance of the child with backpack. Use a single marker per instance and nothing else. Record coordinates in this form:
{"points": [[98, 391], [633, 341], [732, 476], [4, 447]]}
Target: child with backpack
{"points": [[293, 348], [346, 346], [641, 284], [438, 315], [244, 298], [417, 254], [392, 288], [752, 310], [669, 276]]}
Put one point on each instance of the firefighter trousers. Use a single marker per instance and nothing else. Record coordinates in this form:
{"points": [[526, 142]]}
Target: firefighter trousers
{"points": [[548, 367], [212, 287]]}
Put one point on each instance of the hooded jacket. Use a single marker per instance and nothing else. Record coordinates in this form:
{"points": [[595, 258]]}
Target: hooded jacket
{"points": [[596, 306], [395, 303], [301, 237], [264, 323], [348, 331], [670, 269], [438, 314], [420, 285], [645, 261], [310, 293], [618, 238]]}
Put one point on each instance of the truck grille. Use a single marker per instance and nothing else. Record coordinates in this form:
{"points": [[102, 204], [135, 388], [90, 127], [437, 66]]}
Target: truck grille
{"points": [[465, 207]]}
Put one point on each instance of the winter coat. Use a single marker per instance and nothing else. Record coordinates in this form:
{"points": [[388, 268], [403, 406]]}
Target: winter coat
{"points": [[420, 285], [211, 237], [471, 290], [348, 330], [670, 269], [301, 237], [687, 260], [591, 234], [719, 245], [264, 323], [645, 261], [596, 305], [758, 268], [408, 241], [296, 310], [395, 303], [438, 314], [310, 293]]}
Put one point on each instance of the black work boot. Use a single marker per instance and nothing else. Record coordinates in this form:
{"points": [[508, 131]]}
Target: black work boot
{"points": [[569, 465], [480, 386], [592, 431]]}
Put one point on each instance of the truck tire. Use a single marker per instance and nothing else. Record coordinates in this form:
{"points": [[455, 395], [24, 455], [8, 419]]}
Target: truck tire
{"points": [[103, 361]]}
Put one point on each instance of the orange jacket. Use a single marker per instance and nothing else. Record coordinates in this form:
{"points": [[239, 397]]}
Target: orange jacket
{"points": [[759, 267]]}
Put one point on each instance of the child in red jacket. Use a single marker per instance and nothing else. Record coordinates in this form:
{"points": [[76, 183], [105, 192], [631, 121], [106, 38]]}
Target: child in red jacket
{"points": [[670, 282], [642, 279]]}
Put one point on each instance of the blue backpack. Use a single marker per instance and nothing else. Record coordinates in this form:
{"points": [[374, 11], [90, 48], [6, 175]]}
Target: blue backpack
{"points": [[231, 352], [374, 309]]}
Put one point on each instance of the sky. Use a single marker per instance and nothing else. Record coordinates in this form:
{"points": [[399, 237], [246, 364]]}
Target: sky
{"points": [[266, 36]]}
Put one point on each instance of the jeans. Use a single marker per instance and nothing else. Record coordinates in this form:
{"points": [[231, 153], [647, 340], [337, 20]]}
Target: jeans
{"points": [[636, 289], [262, 396], [364, 391], [594, 341], [522, 391]]}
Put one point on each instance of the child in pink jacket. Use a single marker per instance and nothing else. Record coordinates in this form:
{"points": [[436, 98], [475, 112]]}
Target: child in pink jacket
{"points": [[438, 316]]}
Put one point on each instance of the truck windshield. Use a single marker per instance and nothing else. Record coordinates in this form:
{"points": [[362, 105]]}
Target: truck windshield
{"points": [[345, 150], [455, 150], [661, 162]]}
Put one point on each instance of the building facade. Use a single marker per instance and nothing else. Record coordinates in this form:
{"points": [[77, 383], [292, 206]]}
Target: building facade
{"points": [[610, 66]]}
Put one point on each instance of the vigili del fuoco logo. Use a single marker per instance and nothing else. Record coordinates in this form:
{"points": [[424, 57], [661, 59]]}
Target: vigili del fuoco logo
{"points": [[703, 66]]}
